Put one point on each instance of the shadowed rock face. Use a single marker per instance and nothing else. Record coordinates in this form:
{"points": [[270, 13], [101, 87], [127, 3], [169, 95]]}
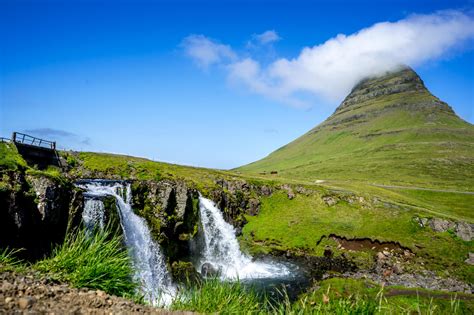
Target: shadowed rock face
{"points": [[34, 213], [404, 80]]}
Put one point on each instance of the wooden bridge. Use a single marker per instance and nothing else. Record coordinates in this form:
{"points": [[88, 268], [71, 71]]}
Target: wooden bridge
{"points": [[36, 151]]}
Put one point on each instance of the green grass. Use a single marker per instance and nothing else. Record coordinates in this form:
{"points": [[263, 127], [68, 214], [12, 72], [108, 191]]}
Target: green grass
{"points": [[349, 296], [299, 224], [214, 296], [9, 260], [97, 261], [333, 296], [10, 159], [450, 203]]}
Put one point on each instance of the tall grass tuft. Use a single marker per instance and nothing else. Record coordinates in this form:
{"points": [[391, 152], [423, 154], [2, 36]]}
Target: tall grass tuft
{"points": [[94, 260], [9, 260], [214, 296]]}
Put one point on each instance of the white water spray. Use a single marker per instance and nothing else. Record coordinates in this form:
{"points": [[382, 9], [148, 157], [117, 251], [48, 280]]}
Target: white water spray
{"points": [[221, 248], [149, 263], [93, 214]]}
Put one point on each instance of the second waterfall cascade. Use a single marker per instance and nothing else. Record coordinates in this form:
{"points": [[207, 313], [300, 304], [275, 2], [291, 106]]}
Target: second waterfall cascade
{"points": [[148, 260], [222, 250]]}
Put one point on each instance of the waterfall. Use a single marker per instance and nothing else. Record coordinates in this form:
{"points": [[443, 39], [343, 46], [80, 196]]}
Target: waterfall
{"points": [[221, 248], [93, 214], [148, 260]]}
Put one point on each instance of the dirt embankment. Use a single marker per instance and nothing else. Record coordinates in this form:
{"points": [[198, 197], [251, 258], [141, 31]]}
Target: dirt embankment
{"points": [[30, 294]]}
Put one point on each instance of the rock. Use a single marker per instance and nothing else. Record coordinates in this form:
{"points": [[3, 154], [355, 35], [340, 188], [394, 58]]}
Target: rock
{"points": [[208, 270], [470, 260], [330, 201], [253, 207], [381, 256], [387, 273], [421, 221], [8, 300], [303, 191], [440, 225], [328, 252], [397, 269], [265, 191], [465, 231], [185, 272], [25, 302], [289, 191]]}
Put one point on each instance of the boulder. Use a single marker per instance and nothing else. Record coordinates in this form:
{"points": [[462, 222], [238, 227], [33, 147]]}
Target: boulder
{"points": [[253, 207], [440, 225], [265, 191], [465, 231], [329, 200], [184, 272], [209, 270]]}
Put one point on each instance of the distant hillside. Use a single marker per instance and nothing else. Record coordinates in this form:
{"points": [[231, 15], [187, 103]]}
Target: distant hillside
{"points": [[389, 130]]}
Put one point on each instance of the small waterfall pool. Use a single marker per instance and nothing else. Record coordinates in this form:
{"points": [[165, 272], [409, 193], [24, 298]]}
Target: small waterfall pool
{"points": [[218, 247], [221, 249]]}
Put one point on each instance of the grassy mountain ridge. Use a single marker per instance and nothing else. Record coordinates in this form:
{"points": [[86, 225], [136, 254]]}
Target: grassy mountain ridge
{"points": [[389, 130]]}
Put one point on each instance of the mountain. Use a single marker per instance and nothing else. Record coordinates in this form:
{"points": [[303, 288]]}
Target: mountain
{"points": [[389, 130]]}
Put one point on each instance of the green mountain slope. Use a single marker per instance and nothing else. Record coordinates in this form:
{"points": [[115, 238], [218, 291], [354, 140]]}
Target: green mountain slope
{"points": [[388, 130]]}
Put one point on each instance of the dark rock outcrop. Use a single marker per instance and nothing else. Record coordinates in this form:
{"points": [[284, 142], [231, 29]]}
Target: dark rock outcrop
{"points": [[172, 213], [34, 212]]}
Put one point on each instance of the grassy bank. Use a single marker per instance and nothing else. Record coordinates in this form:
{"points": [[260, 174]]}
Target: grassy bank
{"points": [[97, 261], [333, 296], [304, 224]]}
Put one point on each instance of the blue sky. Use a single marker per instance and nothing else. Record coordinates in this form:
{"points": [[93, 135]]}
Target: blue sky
{"points": [[200, 82]]}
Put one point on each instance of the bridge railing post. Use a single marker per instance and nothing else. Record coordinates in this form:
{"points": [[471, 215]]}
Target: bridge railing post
{"points": [[14, 136]]}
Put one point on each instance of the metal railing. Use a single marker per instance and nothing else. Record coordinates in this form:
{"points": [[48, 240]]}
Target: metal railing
{"points": [[22, 138], [2, 139]]}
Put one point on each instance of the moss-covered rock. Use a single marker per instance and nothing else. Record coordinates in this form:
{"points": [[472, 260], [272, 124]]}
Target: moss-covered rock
{"points": [[34, 211], [184, 272], [171, 211]]}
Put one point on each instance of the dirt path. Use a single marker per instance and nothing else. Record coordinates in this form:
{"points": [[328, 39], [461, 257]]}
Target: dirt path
{"points": [[30, 294], [425, 189]]}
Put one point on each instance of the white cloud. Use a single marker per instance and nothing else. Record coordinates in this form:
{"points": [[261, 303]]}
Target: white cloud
{"points": [[331, 69], [206, 52], [267, 37]]}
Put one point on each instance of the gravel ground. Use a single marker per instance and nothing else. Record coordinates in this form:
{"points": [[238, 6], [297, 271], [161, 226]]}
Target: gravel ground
{"points": [[30, 294]]}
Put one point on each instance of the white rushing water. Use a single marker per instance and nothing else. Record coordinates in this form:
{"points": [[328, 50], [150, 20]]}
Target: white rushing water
{"points": [[221, 248], [93, 215], [148, 260]]}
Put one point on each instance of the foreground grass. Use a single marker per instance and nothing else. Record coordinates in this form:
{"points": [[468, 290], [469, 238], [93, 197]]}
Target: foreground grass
{"points": [[97, 261], [214, 296], [334, 296], [9, 260]]}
